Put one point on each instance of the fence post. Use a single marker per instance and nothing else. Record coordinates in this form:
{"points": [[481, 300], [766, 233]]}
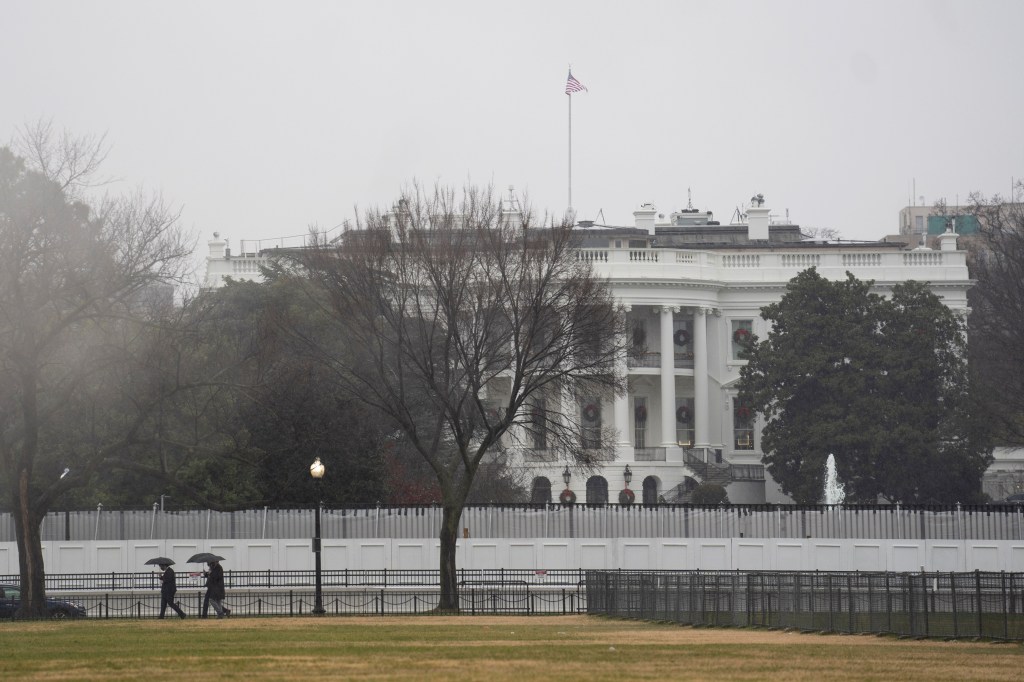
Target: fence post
{"points": [[910, 600], [924, 586], [1006, 615], [1013, 597], [888, 605], [849, 600], [831, 605], [952, 594], [977, 593], [748, 581]]}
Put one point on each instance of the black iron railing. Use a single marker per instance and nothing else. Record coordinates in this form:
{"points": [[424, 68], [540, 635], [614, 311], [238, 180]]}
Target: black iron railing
{"points": [[949, 605], [345, 578]]}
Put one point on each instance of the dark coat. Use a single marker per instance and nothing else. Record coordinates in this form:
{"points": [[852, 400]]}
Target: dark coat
{"points": [[215, 582], [168, 583]]}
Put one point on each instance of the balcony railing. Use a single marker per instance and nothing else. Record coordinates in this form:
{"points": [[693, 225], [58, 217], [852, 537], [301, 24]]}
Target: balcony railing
{"points": [[539, 455], [650, 454], [774, 265], [653, 359], [644, 360]]}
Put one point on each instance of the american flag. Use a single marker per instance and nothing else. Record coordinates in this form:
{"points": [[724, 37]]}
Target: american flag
{"points": [[572, 85]]}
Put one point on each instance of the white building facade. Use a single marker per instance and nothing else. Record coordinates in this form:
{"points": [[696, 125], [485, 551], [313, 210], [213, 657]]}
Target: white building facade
{"points": [[693, 290]]}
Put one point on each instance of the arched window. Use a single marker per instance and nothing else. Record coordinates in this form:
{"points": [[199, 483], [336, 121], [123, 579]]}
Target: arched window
{"points": [[650, 491], [597, 490], [541, 493]]}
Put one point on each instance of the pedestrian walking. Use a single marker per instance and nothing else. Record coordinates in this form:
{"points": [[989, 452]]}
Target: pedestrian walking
{"points": [[215, 590], [168, 588]]}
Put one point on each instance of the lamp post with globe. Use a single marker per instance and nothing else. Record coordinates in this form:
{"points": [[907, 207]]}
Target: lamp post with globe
{"points": [[316, 470]]}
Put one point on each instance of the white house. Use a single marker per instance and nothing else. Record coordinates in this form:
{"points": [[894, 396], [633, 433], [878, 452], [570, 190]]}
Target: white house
{"points": [[693, 289]]}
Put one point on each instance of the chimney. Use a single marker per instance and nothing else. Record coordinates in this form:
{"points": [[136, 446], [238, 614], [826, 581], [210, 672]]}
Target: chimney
{"points": [[757, 219], [217, 246], [644, 217]]}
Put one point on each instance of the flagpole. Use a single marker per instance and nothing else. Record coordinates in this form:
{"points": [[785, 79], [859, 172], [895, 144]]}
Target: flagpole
{"points": [[571, 85], [570, 151]]}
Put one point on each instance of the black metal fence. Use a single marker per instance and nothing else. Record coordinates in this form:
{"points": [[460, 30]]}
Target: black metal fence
{"points": [[345, 592], [473, 600], [948, 605], [881, 522], [276, 580]]}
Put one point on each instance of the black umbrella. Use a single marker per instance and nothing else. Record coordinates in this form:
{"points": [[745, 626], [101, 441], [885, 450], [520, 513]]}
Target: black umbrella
{"points": [[204, 558], [160, 561]]}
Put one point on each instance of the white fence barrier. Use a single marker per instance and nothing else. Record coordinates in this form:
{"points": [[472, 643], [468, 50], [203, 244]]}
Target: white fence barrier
{"points": [[750, 554]]}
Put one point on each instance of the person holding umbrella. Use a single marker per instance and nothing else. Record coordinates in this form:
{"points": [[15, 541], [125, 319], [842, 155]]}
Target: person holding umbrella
{"points": [[215, 590], [168, 588]]}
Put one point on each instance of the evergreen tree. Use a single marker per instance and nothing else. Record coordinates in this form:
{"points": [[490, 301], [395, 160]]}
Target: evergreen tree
{"points": [[881, 383]]}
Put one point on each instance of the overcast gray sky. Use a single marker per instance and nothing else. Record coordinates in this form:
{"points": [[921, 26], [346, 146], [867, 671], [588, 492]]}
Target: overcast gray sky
{"points": [[261, 118]]}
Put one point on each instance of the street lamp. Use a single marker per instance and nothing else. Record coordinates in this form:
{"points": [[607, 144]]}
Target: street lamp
{"points": [[316, 470], [627, 475]]}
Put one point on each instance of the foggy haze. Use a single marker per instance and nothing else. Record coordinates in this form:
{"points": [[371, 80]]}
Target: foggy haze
{"points": [[261, 118]]}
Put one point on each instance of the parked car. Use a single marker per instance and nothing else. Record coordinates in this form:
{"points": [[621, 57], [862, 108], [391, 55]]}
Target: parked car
{"points": [[1017, 498], [10, 600]]}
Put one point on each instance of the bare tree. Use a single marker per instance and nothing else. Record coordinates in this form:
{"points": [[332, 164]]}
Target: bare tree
{"points": [[70, 161], [469, 329], [996, 260], [826, 233], [76, 290]]}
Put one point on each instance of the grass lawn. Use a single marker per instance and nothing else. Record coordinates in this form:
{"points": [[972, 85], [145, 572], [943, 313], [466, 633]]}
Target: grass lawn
{"points": [[475, 648]]}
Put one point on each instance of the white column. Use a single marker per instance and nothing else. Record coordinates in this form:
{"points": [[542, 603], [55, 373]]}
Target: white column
{"points": [[620, 407], [700, 378], [668, 378]]}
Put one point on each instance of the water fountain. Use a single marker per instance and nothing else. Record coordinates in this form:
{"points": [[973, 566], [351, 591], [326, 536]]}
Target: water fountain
{"points": [[834, 492]]}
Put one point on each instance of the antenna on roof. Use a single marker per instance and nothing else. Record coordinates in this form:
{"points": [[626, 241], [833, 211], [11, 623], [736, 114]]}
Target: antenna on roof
{"points": [[600, 214]]}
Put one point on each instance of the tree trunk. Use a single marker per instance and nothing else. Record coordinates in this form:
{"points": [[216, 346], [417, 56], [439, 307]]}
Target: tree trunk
{"points": [[449, 538], [30, 552]]}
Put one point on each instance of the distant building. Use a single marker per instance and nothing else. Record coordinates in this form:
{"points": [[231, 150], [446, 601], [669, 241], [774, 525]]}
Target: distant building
{"points": [[922, 224], [693, 289]]}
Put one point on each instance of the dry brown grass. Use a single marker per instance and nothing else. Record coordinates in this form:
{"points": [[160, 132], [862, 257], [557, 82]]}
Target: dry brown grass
{"points": [[495, 649]]}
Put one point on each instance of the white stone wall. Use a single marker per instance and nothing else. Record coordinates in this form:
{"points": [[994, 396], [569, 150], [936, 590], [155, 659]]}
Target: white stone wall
{"points": [[750, 554]]}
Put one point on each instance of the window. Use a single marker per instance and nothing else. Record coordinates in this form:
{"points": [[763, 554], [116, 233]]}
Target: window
{"points": [[639, 336], [597, 490], [742, 426], [640, 422], [919, 223], [650, 491], [684, 422], [682, 342], [541, 493], [590, 424], [538, 425], [741, 336]]}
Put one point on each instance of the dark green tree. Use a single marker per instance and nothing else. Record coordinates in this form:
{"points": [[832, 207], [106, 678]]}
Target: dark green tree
{"points": [[881, 383]]}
